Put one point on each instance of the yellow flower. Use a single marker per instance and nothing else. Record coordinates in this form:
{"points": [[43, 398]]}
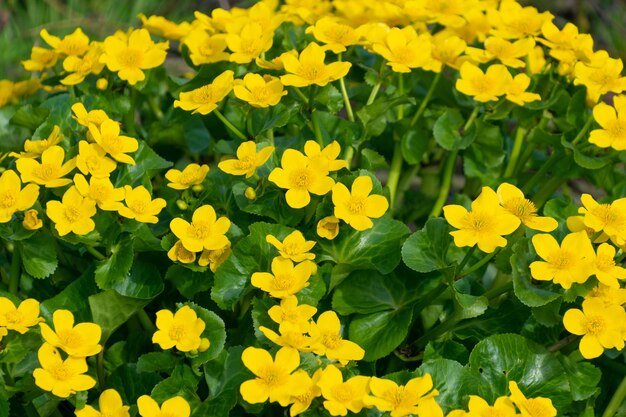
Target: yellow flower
{"points": [[309, 68], [484, 225], [247, 161], [74, 44], [294, 246], [503, 407], [566, 264], [6, 92], [21, 318], [40, 59], [536, 60], [183, 329], [215, 257], [81, 67], [109, 139], [274, 378], [204, 100], [326, 157], [259, 91], [302, 402], [192, 174], [285, 279], [50, 171], [531, 407], [249, 43], [513, 201], [110, 405], [140, 205], [601, 76], [173, 407], [85, 118], [205, 231], [92, 159], [609, 218], [101, 190], [61, 377], [290, 312], [612, 121], [484, 86], [446, 50], [605, 268], [13, 197], [34, 148], [102, 84], [160, 26], [205, 48], [130, 57], [178, 253], [341, 396], [512, 21], [276, 63], [508, 53], [300, 176], [334, 34], [290, 336], [77, 341], [327, 340], [72, 214], [357, 207], [416, 397], [328, 227], [609, 295], [404, 49], [31, 220], [516, 91]]}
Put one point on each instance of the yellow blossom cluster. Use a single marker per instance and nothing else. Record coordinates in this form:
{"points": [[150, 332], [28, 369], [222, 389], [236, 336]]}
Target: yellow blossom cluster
{"points": [[110, 404], [182, 330]]}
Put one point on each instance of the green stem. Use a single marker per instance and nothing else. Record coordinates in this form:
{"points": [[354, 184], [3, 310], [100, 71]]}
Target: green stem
{"points": [[562, 343], [6, 375], [541, 173], [311, 100], [437, 331], [616, 400], [547, 189], [515, 152], [145, 321], [401, 91], [16, 265], [394, 173], [229, 125], [446, 182], [154, 106], [499, 290], [100, 369], [129, 119], [478, 264], [344, 93], [583, 131], [405, 183], [301, 95], [427, 98], [471, 120], [374, 93], [466, 258], [95, 253], [316, 129], [348, 155]]}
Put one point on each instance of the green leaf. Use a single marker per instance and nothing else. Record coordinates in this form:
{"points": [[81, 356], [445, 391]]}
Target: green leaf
{"points": [[196, 135], [157, 362], [270, 203], [583, 377], [373, 116], [39, 255], [509, 357], [144, 282], [532, 295], [73, 297], [486, 153], [4, 407], [426, 250], [115, 268], [132, 384], [29, 117], [330, 97], [214, 331], [468, 306], [446, 349], [376, 248], [110, 310], [591, 162], [373, 161], [183, 382], [251, 254], [147, 162], [380, 333], [272, 117], [260, 306], [188, 282], [223, 376], [414, 144], [447, 131]]}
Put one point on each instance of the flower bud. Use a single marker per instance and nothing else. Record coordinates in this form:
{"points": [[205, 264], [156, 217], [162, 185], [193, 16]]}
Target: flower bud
{"points": [[250, 194], [181, 205], [102, 84], [328, 227], [31, 220], [204, 345], [197, 188]]}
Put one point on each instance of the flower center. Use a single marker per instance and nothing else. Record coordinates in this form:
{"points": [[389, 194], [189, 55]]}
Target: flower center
{"points": [[47, 172], [138, 206], [7, 200], [343, 393], [608, 215], [246, 162], [301, 178], [100, 192], [93, 163], [71, 47], [203, 95], [188, 177], [271, 375], [604, 262], [521, 208], [313, 72], [331, 340], [130, 58], [357, 205], [399, 396], [561, 260], [13, 317], [478, 222], [70, 338], [291, 249], [338, 33], [199, 230], [260, 94], [61, 372], [617, 130], [283, 281], [72, 214], [177, 332], [536, 408], [112, 144], [595, 325], [404, 55]]}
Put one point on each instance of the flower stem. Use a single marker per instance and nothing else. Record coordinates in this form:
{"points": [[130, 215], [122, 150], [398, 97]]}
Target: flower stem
{"points": [[301, 95], [466, 258], [374, 93], [16, 265], [229, 125], [562, 343], [446, 182], [583, 131], [515, 152], [316, 129], [437, 331], [478, 264], [394, 173], [129, 117], [401, 91], [344, 93], [616, 400], [95, 253], [541, 173], [100, 369], [427, 98], [145, 321]]}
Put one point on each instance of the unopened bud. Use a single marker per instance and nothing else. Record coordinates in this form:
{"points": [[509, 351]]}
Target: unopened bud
{"points": [[197, 188], [250, 194], [204, 345], [102, 84], [181, 205]]}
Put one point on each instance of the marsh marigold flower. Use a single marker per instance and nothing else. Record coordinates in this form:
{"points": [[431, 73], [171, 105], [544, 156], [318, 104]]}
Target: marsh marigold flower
{"points": [[503, 407], [192, 174], [605, 268], [206, 48], [31, 220], [405, 50], [275, 379], [357, 207], [13, 197], [140, 206], [309, 68], [40, 59], [600, 325], [302, 402], [74, 44], [72, 214], [531, 407], [285, 279], [327, 340], [92, 159], [205, 231], [130, 57], [110, 404], [290, 312], [61, 377], [182, 330], [601, 76], [178, 253], [250, 42], [341, 397], [34, 148], [160, 26], [612, 120], [294, 246], [20, 319], [326, 157], [571, 262], [80, 67], [417, 397], [259, 91], [109, 138], [609, 218], [248, 159], [173, 407], [335, 34], [513, 21], [289, 336], [328, 227], [484, 86], [204, 100], [50, 171], [214, 257], [484, 226], [516, 91], [508, 53], [101, 190], [514, 201], [86, 118], [78, 341], [300, 176]]}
